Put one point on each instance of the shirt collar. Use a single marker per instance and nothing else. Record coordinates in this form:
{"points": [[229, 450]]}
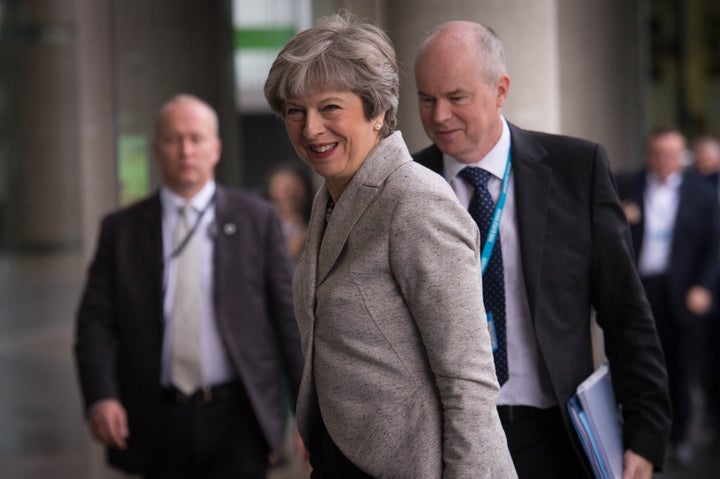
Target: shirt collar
{"points": [[171, 201], [672, 182], [494, 161]]}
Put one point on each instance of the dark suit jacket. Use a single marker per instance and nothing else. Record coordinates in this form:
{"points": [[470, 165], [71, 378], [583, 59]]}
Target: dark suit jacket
{"points": [[576, 255], [696, 235], [120, 319]]}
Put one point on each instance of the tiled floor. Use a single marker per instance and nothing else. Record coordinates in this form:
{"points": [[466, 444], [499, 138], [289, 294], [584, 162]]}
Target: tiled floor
{"points": [[40, 416], [42, 433]]}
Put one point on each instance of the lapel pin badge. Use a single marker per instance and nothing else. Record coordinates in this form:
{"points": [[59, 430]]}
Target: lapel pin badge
{"points": [[229, 229]]}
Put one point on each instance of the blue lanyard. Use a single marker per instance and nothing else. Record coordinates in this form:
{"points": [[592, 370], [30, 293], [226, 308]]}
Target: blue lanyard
{"points": [[495, 225]]}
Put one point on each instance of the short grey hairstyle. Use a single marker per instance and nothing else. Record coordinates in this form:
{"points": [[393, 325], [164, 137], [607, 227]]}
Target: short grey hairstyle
{"points": [[493, 53], [490, 49], [339, 53]]}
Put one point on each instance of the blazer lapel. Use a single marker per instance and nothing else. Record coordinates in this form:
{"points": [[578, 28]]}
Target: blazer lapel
{"points": [[387, 156], [532, 193], [353, 202], [316, 227]]}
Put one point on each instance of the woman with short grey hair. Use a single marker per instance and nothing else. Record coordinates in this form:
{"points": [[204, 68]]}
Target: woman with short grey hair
{"points": [[399, 379], [339, 55]]}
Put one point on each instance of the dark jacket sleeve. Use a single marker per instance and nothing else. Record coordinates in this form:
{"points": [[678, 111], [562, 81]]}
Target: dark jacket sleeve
{"points": [[96, 344], [706, 249], [631, 343]]}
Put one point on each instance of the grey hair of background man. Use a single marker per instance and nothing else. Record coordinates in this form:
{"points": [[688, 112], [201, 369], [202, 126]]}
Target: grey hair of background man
{"points": [[186, 98], [339, 53], [490, 51], [706, 140]]}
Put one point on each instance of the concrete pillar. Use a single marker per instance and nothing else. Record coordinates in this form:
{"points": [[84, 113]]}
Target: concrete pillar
{"points": [[96, 120], [604, 89], [39, 134]]}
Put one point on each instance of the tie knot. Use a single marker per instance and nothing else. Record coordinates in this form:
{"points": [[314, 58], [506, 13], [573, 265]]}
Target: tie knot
{"points": [[185, 215], [186, 211], [477, 177]]}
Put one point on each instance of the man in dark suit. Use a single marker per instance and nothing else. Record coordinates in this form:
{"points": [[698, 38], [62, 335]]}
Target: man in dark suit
{"points": [[674, 221], [706, 162], [186, 337], [564, 249]]}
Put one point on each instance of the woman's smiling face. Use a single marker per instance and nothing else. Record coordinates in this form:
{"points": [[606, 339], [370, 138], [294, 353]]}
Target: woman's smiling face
{"points": [[330, 132]]}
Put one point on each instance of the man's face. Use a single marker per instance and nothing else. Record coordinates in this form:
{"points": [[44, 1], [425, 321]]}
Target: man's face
{"points": [[665, 154], [187, 146], [706, 158], [459, 111]]}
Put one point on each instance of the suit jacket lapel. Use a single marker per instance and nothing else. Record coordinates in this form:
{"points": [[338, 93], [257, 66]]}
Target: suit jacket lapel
{"points": [[231, 232], [532, 193], [638, 192], [151, 249], [221, 251], [685, 213], [360, 192], [152, 231]]}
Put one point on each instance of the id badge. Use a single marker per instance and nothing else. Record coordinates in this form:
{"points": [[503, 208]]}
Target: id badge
{"points": [[491, 330]]}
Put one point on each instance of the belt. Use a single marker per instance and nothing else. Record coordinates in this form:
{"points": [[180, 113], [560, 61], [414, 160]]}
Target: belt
{"points": [[513, 414], [202, 396], [654, 278]]}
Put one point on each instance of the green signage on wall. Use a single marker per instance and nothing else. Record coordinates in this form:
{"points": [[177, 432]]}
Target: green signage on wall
{"points": [[133, 168]]}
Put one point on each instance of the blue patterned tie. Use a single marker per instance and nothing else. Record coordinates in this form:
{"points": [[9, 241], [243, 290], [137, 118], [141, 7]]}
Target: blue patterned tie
{"points": [[482, 208]]}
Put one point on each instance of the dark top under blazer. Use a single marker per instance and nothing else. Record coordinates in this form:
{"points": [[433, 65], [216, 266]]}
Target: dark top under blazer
{"points": [[576, 255], [120, 319], [695, 240]]}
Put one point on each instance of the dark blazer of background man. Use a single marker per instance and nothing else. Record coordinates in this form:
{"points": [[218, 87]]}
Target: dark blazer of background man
{"points": [[574, 256], [681, 288], [148, 425]]}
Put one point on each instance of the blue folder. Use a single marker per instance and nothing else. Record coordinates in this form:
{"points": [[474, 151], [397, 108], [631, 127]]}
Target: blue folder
{"points": [[594, 413]]}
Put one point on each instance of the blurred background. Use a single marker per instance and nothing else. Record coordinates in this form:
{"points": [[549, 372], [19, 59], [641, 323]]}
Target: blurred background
{"points": [[82, 80]]}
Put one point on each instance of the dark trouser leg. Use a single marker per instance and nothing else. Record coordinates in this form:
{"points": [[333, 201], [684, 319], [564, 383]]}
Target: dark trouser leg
{"points": [[540, 446], [219, 440], [674, 339], [328, 462], [232, 444]]}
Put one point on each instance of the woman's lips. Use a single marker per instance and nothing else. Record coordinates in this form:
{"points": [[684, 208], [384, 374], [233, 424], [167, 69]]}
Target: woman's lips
{"points": [[323, 151]]}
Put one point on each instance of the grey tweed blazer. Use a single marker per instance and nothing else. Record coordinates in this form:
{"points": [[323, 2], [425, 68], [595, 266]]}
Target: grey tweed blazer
{"points": [[388, 298]]}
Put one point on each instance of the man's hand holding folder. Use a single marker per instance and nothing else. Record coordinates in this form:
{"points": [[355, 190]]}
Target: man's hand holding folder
{"points": [[595, 415]]}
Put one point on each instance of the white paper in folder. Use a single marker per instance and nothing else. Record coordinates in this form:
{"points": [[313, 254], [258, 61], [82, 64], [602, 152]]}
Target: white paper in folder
{"points": [[594, 414]]}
